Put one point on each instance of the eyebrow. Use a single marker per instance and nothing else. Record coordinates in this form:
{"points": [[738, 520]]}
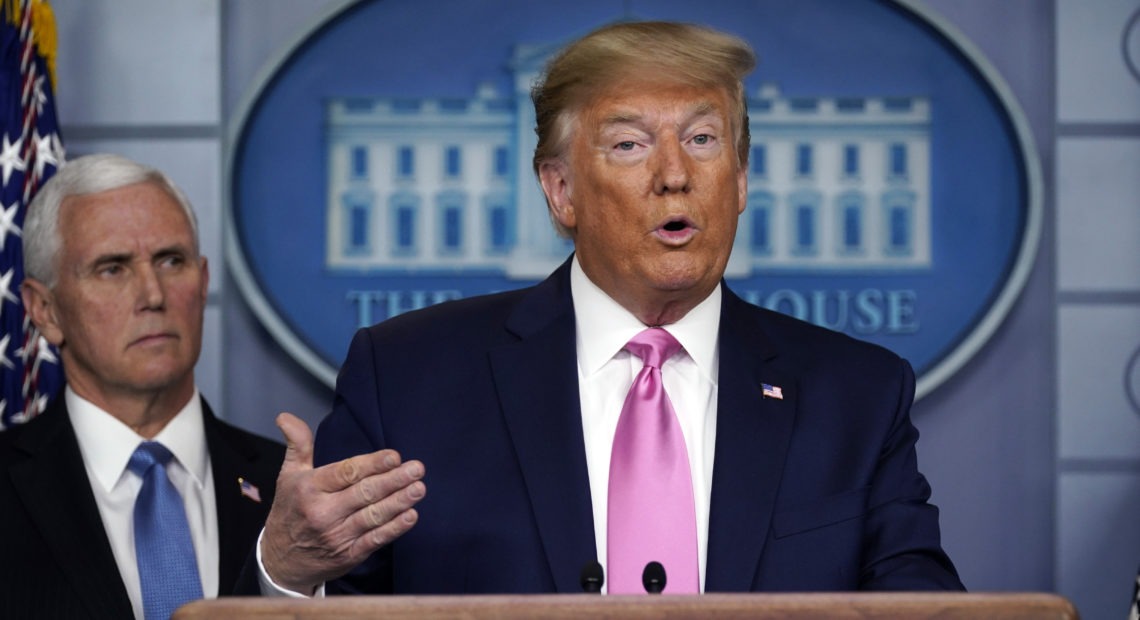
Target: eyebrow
{"points": [[621, 118], [703, 108], [122, 257], [177, 248]]}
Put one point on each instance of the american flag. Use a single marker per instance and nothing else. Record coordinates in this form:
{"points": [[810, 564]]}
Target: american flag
{"points": [[30, 152], [249, 490], [1134, 608], [772, 391]]}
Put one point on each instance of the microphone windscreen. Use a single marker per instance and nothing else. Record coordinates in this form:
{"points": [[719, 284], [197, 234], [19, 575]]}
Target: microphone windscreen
{"points": [[592, 577], [653, 578]]}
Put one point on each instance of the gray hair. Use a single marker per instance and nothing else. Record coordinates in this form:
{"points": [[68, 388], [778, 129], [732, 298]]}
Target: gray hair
{"points": [[90, 174]]}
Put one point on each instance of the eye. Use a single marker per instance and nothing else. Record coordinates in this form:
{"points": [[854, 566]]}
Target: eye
{"points": [[110, 269], [702, 139], [625, 146], [171, 261]]}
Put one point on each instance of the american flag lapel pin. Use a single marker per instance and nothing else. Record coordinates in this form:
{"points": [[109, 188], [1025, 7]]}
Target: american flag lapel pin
{"points": [[772, 391], [249, 490]]}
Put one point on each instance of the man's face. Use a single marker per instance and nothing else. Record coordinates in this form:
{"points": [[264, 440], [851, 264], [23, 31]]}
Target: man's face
{"points": [[127, 307], [652, 189]]}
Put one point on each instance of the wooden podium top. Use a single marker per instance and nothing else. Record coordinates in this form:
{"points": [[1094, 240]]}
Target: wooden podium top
{"points": [[856, 606]]}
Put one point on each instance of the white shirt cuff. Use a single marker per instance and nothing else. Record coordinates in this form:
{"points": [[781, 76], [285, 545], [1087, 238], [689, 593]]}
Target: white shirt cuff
{"points": [[270, 588]]}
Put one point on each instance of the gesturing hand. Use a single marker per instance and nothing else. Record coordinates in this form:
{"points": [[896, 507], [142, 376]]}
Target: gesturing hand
{"points": [[325, 521]]}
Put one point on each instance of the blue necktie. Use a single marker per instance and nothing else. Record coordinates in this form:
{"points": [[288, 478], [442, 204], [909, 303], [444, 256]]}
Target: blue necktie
{"points": [[168, 568]]}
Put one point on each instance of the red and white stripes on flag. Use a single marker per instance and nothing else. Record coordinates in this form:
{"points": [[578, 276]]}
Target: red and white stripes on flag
{"points": [[30, 152]]}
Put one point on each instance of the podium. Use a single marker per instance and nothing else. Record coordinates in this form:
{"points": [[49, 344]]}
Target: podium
{"points": [[855, 606]]}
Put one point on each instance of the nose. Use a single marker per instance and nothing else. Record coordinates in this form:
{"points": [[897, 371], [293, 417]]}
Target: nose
{"points": [[152, 293], [671, 172]]}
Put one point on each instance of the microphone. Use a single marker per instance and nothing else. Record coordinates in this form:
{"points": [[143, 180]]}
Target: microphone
{"points": [[592, 577], [653, 578]]}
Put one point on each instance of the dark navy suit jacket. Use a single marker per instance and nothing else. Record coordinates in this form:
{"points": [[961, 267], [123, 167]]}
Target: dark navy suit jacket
{"points": [[818, 490], [55, 559]]}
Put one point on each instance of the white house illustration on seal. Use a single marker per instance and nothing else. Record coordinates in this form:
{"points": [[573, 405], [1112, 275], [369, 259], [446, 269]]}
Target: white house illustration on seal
{"points": [[442, 185]]}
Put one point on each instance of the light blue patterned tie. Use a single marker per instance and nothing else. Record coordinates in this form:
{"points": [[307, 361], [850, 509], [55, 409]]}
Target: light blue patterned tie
{"points": [[168, 568]]}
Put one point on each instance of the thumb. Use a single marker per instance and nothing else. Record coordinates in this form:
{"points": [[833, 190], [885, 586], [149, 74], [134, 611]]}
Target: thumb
{"points": [[298, 443]]}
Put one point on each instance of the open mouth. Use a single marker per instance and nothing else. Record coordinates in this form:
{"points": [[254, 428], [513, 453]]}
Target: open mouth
{"points": [[677, 231]]}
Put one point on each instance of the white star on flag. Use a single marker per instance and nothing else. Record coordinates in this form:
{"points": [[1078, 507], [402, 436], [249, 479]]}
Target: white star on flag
{"points": [[4, 361], [21, 416], [8, 222], [46, 152], [30, 152], [44, 352], [25, 354], [40, 349], [39, 403], [10, 158], [39, 95], [6, 288]]}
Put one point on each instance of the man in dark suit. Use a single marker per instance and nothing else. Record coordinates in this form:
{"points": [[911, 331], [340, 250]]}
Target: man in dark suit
{"points": [[116, 282], [796, 465]]}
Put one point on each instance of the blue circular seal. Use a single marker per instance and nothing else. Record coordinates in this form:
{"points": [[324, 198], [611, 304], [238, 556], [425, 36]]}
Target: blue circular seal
{"points": [[1130, 45], [383, 165]]}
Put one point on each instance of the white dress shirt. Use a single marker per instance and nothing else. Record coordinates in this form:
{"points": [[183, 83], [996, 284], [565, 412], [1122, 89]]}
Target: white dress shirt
{"points": [[605, 373], [107, 444]]}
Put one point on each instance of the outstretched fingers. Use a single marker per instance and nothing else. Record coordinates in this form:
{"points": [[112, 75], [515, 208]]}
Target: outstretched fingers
{"points": [[382, 497], [325, 521], [388, 519]]}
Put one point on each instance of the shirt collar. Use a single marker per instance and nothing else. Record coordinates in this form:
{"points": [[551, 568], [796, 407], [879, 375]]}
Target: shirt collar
{"points": [[604, 326], [107, 443]]}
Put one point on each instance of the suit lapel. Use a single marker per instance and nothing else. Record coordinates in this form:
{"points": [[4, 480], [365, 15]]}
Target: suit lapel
{"points": [[536, 378], [52, 483], [752, 438], [239, 516]]}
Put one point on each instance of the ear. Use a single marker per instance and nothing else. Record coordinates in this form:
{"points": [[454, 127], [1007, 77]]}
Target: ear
{"points": [[741, 190], [205, 269], [40, 306], [555, 179]]}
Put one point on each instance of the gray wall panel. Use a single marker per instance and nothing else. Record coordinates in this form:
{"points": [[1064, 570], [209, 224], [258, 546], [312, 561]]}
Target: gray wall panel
{"points": [[1098, 215], [138, 62], [1094, 82], [1098, 539], [208, 372], [1096, 419]]}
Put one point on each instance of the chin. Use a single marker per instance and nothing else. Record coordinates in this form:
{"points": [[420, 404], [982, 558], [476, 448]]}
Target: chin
{"points": [[158, 379], [682, 277], [683, 284]]}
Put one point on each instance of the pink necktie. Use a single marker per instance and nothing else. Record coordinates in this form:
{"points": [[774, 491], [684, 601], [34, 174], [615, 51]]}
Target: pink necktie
{"points": [[652, 516]]}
